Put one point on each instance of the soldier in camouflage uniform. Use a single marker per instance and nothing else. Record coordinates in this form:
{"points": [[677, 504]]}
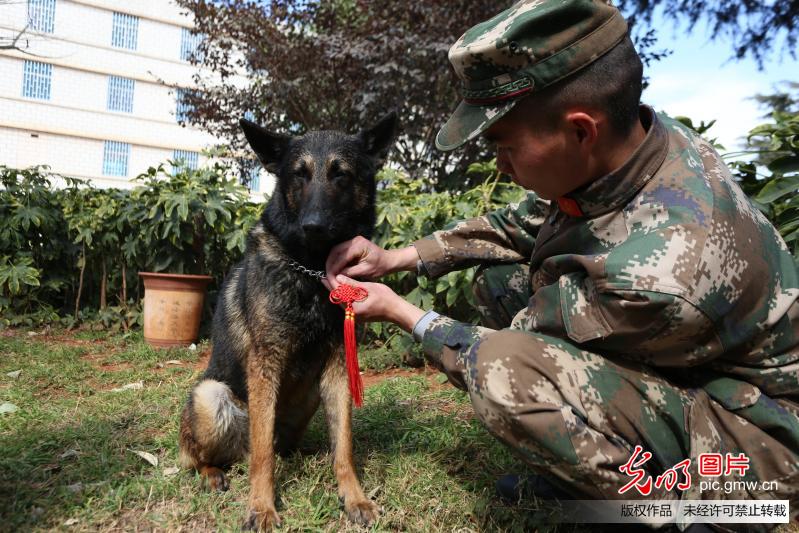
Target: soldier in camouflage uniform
{"points": [[646, 304]]}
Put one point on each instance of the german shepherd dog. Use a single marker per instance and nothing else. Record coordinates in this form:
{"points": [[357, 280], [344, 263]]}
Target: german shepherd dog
{"points": [[277, 340]]}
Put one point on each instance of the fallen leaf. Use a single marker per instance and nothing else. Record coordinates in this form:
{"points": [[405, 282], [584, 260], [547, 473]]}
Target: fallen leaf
{"points": [[150, 458], [130, 386], [171, 471], [33, 334], [75, 487], [15, 374], [71, 522], [8, 408], [442, 378], [68, 454], [173, 362], [193, 347]]}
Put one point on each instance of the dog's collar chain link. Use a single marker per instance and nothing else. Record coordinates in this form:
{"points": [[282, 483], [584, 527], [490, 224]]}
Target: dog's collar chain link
{"points": [[317, 274]]}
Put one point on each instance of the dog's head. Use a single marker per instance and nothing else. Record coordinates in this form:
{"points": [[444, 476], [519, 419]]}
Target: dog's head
{"points": [[325, 189]]}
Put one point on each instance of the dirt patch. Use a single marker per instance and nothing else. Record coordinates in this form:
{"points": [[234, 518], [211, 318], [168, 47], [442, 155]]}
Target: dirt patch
{"points": [[115, 367], [203, 358], [371, 377], [199, 365]]}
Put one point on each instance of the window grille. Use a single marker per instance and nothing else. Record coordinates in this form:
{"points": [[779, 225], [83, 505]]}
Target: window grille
{"points": [[251, 175], [189, 159], [120, 94], [115, 158], [183, 107], [188, 44], [41, 15], [36, 80], [125, 31]]}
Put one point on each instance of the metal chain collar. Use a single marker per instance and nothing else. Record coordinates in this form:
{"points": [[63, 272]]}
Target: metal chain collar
{"points": [[318, 274]]}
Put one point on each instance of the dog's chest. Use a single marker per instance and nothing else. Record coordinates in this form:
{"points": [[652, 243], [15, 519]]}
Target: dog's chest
{"points": [[301, 308]]}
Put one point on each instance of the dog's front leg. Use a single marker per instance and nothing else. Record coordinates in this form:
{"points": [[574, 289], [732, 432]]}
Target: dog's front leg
{"points": [[263, 383], [338, 409]]}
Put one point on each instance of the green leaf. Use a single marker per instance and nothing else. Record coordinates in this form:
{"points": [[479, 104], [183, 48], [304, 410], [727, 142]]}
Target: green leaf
{"points": [[452, 295], [183, 208], [777, 188], [785, 165]]}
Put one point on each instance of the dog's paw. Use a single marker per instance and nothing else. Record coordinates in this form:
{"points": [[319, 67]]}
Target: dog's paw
{"points": [[362, 512], [261, 520], [214, 479]]}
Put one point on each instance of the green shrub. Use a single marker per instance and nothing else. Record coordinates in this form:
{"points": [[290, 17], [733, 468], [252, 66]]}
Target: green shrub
{"points": [[64, 249], [776, 145], [36, 254], [407, 211], [66, 246]]}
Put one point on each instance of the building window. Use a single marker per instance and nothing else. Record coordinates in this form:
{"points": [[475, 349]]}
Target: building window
{"points": [[41, 15], [250, 175], [36, 80], [115, 158], [120, 94], [183, 106], [125, 31], [186, 158], [189, 42]]}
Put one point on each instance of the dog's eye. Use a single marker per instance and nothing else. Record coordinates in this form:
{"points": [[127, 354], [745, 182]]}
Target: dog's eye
{"points": [[341, 176], [303, 174]]}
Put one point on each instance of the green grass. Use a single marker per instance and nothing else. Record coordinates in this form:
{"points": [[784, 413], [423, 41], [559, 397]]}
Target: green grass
{"points": [[65, 454], [67, 461]]}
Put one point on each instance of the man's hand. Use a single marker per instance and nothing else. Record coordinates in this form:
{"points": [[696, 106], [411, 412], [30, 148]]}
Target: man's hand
{"points": [[382, 304], [363, 259]]}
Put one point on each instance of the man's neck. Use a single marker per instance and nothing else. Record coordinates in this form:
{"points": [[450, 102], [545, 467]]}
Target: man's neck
{"points": [[617, 153]]}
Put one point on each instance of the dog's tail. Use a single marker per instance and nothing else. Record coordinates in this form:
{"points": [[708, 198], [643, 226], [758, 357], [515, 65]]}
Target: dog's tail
{"points": [[214, 427]]}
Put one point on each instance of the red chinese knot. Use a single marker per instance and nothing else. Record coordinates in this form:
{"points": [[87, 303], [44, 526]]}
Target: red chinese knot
{"points": [[347, 294]]}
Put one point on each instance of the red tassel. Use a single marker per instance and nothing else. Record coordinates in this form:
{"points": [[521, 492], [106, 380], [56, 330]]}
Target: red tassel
{"points": [[347, 294]]}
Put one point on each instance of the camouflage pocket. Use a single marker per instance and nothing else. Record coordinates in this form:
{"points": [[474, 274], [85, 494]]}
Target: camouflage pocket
{"points": [[581, 314]]}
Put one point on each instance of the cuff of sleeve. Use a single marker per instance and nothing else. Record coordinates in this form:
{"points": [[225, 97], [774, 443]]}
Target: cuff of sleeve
{"points": [[443, 331], [431, 254], [421, 325]]}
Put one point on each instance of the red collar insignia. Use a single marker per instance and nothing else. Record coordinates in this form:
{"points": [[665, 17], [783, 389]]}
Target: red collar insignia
{"points": [[570, 207]]}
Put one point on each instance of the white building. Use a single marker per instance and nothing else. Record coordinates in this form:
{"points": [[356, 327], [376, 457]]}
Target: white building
{"points": [[92, 98]]}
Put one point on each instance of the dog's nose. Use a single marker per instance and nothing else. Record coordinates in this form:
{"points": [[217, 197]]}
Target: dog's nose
{"points": [[313, 228]]}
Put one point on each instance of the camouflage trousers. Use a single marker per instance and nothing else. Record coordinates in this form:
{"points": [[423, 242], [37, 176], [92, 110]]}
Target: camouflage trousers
{"points": [[576, 417]]}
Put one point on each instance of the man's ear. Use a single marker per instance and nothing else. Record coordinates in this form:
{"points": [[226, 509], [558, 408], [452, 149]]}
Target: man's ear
{"points": [[585, 127], [379, 139], [270, 147]]}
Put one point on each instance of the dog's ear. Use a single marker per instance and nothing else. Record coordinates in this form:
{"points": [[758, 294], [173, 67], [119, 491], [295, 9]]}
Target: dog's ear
{"points": [[380, 137], [269, 146]]}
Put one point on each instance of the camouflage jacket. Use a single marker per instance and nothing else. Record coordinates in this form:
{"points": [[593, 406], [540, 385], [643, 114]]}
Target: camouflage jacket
{"points": [[669, 264]]}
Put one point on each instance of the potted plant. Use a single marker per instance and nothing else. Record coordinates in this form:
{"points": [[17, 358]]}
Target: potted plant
{"points": [[187, 225]]}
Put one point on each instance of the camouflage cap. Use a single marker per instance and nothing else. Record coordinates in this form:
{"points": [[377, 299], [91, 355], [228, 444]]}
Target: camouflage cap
{"points": [[520, 51]]}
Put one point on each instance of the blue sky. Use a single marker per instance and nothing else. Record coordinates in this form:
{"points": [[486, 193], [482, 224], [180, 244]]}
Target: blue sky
{"points": [[700, 80]]}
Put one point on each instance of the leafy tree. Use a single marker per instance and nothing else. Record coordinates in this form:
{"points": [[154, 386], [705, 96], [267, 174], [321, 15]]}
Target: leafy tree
{"points": [[757, 28], [782, 101], [296, 65], [336, 64]]}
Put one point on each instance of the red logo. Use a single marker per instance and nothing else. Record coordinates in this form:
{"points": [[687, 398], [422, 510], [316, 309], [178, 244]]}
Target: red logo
{"points": [[710, 465]]}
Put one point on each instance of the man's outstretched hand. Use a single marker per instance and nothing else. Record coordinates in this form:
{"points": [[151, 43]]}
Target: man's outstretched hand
{"points": [[360, 258], [382, 304]]}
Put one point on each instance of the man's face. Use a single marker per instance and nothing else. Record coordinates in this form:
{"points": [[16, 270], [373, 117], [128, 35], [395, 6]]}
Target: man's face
{"points": [[544, 158]]}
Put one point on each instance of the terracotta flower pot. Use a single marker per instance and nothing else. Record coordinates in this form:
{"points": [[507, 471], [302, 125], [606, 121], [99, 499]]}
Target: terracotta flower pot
{"points": [[173, 305]]}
